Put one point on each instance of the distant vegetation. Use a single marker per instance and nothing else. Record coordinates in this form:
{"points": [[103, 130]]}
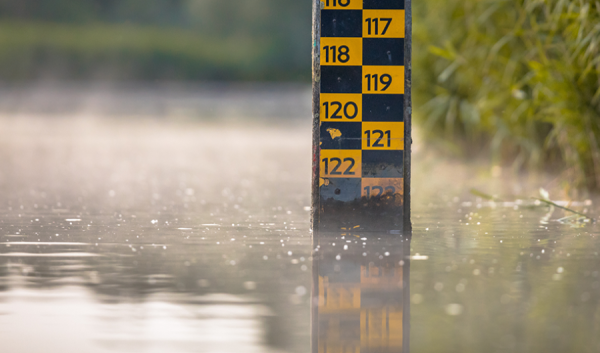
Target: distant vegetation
{"points": [[155, 39], [518, 78]]}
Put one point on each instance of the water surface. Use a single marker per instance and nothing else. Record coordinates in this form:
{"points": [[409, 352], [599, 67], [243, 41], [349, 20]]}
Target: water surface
{"points": [[125, 232]]}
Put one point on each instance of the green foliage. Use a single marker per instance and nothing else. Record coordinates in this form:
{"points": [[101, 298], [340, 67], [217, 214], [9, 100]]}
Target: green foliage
{"points": [[155, 39], [108, 51], [518, 78]]}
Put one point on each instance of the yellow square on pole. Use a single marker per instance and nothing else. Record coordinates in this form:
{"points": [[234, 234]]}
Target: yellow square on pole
{"points": [[383, 79], [383, 23], [341, 4], [341, 163], [382, 135], [341, 51], [341, 107]]}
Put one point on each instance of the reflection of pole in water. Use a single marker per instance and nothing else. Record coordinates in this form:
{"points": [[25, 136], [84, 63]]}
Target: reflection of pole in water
{"points": [[360, 292]]}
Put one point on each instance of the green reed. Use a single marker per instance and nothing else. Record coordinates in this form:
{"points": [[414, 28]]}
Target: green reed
{"points": [[519, 79]]}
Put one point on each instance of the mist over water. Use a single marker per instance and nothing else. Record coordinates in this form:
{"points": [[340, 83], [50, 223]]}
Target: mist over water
{"points": [[177, 219]]}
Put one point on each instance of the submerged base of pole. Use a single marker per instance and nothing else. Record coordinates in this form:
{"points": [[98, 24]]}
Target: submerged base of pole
{"points": [[375, 214]]}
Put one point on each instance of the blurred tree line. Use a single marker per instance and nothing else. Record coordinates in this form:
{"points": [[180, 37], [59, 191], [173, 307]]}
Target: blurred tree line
{"points": [[517, 79], [155, 39]]}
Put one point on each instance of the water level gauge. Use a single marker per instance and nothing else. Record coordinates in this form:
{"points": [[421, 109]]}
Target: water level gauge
{"points": [[361, 112]]}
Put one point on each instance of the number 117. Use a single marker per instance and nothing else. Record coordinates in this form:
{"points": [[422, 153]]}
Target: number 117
{"points": [[374, 22]]}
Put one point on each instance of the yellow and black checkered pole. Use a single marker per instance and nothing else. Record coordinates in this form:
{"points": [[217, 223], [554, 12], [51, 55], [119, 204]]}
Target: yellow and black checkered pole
{"points": [[362, 112]]}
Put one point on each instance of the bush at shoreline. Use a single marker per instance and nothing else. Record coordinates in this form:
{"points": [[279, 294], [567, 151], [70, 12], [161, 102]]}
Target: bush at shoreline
{"points": [[518, 79]]}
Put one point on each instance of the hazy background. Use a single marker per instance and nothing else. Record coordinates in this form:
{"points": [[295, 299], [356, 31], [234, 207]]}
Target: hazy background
{"points": [[516, 83], [155, 40]]}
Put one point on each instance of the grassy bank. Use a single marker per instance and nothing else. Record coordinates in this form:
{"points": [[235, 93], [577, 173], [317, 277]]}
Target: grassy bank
{"points": [[519, 80], [37, 50]]}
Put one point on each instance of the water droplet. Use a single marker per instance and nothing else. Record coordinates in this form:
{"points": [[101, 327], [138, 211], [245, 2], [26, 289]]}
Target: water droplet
{"points": [[454, 309], [416, 299], [300, 290]]}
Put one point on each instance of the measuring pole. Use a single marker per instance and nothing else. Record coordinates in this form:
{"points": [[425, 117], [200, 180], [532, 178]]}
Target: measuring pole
{"points": [[361, 115]]}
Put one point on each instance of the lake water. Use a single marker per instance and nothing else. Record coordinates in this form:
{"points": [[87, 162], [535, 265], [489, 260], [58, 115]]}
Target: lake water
{"points": [[176, 219]]}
